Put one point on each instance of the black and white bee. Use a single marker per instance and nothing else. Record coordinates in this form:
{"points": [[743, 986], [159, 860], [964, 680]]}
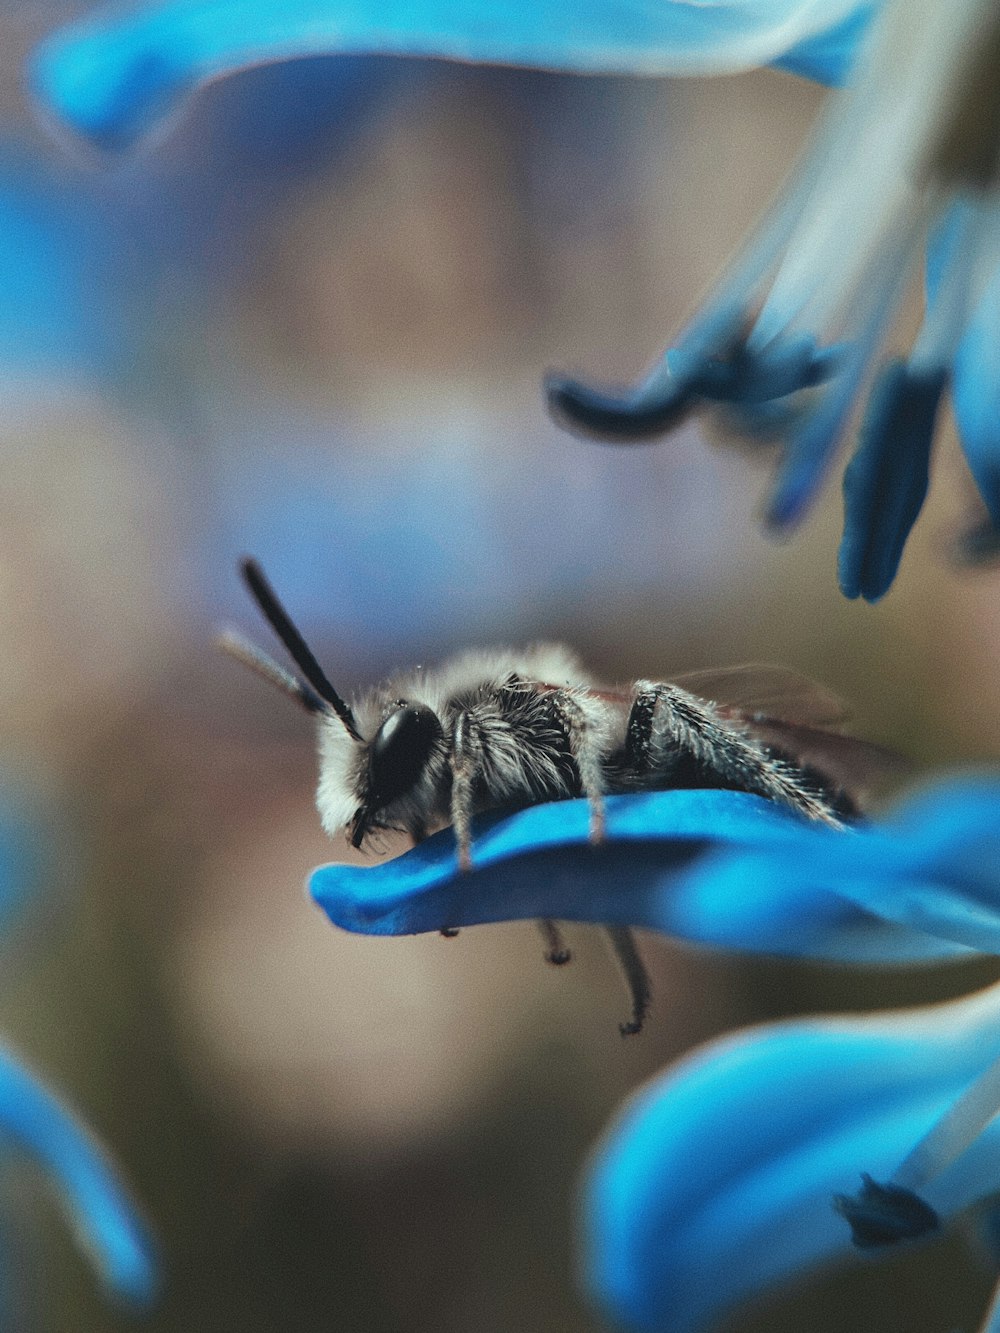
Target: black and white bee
{"points": [[505, 728]]}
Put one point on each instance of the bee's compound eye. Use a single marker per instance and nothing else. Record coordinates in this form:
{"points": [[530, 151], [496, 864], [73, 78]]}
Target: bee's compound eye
{"points": [[400, 750]]}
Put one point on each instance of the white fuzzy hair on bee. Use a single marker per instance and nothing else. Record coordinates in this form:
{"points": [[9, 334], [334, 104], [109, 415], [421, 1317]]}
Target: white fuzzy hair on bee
{"points": [[500, 728]]}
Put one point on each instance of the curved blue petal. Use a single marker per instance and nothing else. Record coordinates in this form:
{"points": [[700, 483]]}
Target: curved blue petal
{"points": [[717, 1181], [103, 1216], [754, 376], [932, 867], [115, 76], [976, 395], [828, 57], [717, 867]]}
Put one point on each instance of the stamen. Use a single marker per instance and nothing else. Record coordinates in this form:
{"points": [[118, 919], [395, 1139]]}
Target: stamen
{"points": [[969, 262], [956, 1131], [810, 450], [827, 269], [868, 165]]}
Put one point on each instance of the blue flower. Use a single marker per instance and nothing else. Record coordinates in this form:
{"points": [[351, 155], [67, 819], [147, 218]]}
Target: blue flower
{"points": [[773, 1151], [36, 1125], [719, 868], [786, 346]]}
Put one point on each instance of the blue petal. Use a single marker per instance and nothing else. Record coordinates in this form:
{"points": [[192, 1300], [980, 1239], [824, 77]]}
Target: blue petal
{"points": [[717, 1181], [944, 247], [752, 376], [114, 77], [933, 866], [103, 1216], [975, 387], [828, 57], [976, 395], [718, 867], [885, 483]]}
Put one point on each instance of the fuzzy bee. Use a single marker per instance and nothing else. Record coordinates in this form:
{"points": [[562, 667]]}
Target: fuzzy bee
{"points": [[506, 728]]}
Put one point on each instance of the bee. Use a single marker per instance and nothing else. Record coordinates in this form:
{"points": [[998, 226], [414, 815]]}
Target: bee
{"points": [[504, 728]]}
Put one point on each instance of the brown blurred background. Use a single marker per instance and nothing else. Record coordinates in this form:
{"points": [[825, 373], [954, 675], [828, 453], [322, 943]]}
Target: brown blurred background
{"points": [[340, 326]]}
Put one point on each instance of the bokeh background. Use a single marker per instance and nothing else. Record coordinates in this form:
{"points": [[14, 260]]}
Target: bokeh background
{"points": [[309, 323]]}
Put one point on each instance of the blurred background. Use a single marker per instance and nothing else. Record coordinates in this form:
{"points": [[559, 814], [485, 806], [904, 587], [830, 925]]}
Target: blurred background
{"points": [[310, 324]]}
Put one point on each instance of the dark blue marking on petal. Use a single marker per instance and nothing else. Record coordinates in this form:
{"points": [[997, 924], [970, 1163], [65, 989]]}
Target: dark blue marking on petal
{"points": [[622, 416], [751, 376], [882, 1215], [886, 481]]}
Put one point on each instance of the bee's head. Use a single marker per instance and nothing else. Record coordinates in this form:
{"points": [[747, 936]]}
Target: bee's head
{"points": [[392, 774], [360, 780]]}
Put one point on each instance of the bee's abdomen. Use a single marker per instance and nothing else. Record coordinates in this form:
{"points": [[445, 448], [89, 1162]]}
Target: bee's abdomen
{"points": [[674, 739]]}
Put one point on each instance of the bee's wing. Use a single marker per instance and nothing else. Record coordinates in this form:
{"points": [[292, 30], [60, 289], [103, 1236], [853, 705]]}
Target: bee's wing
{"points": [[763, 690], [858, 767], [793, 714]]}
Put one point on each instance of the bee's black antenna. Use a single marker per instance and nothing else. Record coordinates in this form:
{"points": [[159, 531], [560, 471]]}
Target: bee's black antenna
{"points": [[280, 621], [251, 656]]}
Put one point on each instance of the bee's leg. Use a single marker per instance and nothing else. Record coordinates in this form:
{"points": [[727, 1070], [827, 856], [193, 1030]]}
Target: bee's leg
{"points": [[555, 946], [586, 755], [465, 752], [667, 724], [636, 977]]}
